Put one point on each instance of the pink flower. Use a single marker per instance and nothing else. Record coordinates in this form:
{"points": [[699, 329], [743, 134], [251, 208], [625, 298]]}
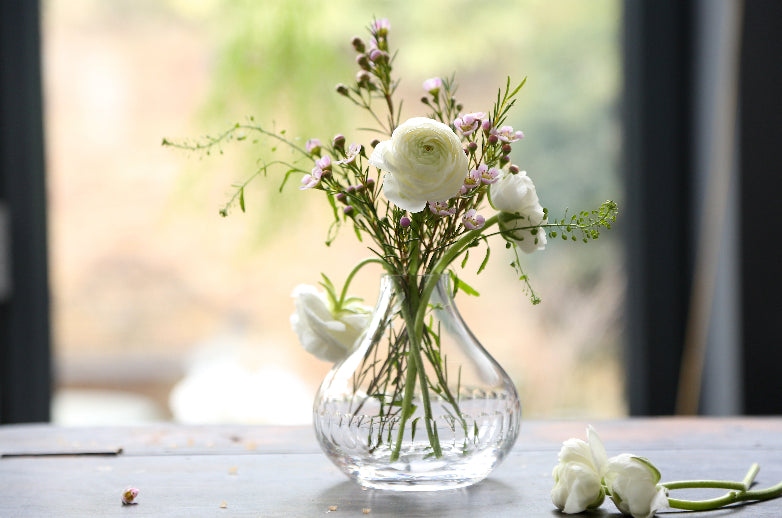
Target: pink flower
{"points": [[322, 166], [313, 146], [382, 26], [473, 221], [506, 134], [469, 123], [472, 181], [488, 176], [353, 152], [433, 85], [440, 208], [311, 180], [323, 163]]}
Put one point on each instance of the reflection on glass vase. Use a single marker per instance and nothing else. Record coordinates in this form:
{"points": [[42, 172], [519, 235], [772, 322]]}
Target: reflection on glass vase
{"points": [[419, 405]]}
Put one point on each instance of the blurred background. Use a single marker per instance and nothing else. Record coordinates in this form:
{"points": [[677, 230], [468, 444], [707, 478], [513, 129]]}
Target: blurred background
{"points": [[153, 292], [159, 309]]}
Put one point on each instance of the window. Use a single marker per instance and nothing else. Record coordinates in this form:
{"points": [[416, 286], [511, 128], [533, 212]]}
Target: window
{"points": [[153, 292]]}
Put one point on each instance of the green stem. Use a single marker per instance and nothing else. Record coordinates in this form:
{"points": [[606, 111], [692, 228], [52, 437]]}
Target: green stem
{"points": [[741, 492], [705, 484], [744, 485], [727, 499], [407, 401], [352, 274], [414, 366], [448, 257], [415, 326], [749, 478]]}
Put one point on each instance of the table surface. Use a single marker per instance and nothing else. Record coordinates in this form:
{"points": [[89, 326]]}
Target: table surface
{"points": [[264, 471]]}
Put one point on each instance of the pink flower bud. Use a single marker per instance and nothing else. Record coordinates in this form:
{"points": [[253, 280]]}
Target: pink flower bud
{"points": [[313, 146], [338, 141], [493, 139], [381, 27], [506, 148], [358, 44], [433, 86], [404, 222], [376, 55], [348, 210], [514, 169], [363, 61], [363, 78]]}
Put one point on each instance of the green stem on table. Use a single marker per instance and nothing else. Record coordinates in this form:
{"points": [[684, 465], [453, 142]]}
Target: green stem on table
{"points": [[740, 493], [749, 478], [727, 499], [744, 485]]}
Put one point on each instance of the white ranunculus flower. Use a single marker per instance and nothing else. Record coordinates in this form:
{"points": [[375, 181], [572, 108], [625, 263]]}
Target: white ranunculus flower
{"points": [[576, 488], [514, 195], [330, 337], [632, 483], [578, 476], [424, 161]]}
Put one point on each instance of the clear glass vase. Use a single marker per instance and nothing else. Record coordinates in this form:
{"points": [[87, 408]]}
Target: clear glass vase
{"points": [[419, 405]]}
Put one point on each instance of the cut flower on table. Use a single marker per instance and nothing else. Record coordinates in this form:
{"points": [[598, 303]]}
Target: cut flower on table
{"points": [[584, 476]]}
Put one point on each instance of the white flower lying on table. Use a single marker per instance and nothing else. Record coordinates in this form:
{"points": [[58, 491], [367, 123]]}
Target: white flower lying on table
{"points": [[579, 474], [585, 476]]}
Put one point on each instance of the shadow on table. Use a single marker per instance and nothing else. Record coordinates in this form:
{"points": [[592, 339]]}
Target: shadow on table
{"points": [[489, 494]]}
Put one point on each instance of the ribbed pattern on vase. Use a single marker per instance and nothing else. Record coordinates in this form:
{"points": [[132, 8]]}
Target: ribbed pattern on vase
{"points": [[362, 443]]}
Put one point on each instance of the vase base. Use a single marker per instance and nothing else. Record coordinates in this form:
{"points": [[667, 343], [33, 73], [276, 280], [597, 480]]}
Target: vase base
{"points": [[411, 485], [415, 473]]}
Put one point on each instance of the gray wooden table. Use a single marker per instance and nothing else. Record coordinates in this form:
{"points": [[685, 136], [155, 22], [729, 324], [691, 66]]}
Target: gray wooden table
{"points": [[229, 471]]}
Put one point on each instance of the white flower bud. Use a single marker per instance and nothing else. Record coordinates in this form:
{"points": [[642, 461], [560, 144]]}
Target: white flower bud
{"points": [[514, 195]]}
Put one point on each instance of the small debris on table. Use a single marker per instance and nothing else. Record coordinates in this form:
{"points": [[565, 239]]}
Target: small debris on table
{"points": [[233, 470], [223, 505], [366, 510], [129, 496], [333, 508]]}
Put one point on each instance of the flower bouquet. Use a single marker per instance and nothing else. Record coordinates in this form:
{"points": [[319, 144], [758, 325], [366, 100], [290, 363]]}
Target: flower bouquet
{"points": [[414, 401]]}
